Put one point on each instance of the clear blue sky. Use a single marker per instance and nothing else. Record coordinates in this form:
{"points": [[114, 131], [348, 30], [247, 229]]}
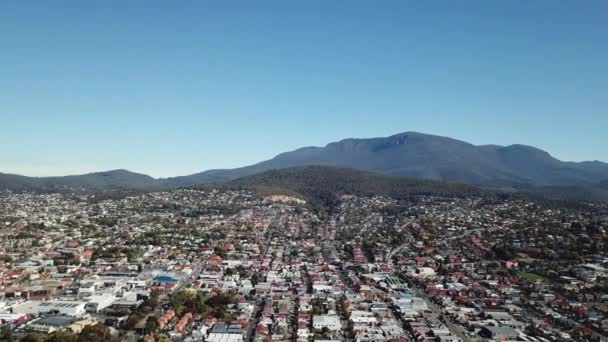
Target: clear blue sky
{"points": [[175, 87]]}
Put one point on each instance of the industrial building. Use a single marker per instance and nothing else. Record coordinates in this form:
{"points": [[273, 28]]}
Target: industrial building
{"points": [[97, 303], [226, 333], [37, 307]]}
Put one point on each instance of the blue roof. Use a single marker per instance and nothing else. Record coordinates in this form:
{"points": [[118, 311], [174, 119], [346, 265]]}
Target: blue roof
{"points": [[56, 321], [165, 279], [227, 329]]}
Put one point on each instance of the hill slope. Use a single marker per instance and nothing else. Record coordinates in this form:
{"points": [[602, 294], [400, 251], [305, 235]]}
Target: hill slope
{"points": [[426, 156], [324, 184], [108, 180], [410, 154]]}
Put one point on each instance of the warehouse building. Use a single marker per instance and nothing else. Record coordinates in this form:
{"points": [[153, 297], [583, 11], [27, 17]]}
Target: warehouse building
{"points": [[226, 333], [37, 307], [97, 303]]}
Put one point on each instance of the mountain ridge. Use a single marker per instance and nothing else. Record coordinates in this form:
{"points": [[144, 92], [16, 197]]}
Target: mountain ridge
{"points": [[408, 154], [103, 180], [485, 165]]}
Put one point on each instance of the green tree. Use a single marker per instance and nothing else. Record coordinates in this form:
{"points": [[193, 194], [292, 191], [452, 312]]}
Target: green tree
{"points": [[132, 320], [31, 338], [151, 324], [6, 258], [220, 300], [6, 334], [61, 336], [96, 333]]}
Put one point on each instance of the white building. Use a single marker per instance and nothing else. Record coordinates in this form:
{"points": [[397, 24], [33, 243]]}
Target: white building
{"points": [[225, 333], [88, 288], [36, 307], [321, 288], [303, 334], [365, 317], [331, 322], [97, 303]]}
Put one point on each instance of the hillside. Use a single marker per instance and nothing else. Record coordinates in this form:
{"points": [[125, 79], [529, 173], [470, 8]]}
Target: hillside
{"points": [[426, 156], [409, 154], [108, 180], [324, 185]]}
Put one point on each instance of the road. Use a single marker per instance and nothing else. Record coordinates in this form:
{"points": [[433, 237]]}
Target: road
{"points": [[196, 271], [255, 317], [389, 257], [436, 313], [468, 232], [325, 253]]}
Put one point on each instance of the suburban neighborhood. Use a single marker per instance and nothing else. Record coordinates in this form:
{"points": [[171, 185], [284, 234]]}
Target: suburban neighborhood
{"points": [[227, 265]]}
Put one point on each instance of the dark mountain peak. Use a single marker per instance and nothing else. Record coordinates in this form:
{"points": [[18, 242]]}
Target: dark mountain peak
{"points": [[527, 155], [423, 136], [424, 141], [415, 135], [525, 148], [409, 139], [118, 173], [105, 180], [594, 163]]}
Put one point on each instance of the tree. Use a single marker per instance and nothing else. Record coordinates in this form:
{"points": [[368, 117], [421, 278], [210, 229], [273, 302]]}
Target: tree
{"points": [[6, 334], [96, 333], [31, 338], [133, 320], [256, 278], [6, 259], [184, 301], [155, 297], [152, 324], [220, 300], [61, 336]]}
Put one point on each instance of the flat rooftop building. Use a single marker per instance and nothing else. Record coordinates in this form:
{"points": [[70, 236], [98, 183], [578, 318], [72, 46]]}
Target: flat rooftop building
{"points": [[36, 307], [226, 333]]}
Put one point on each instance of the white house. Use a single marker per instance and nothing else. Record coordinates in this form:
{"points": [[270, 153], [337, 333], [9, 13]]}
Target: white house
{"points": [[366, 317], [331, 322]]}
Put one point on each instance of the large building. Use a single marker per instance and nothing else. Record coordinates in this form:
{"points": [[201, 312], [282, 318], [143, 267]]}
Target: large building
{"points": [[50, 324], [226, 333], [331, 322], [97, 303], [36, 307]]}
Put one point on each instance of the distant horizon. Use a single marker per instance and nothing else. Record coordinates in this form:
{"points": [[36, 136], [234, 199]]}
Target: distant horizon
{"points": [[220, 167], [176, 88]]}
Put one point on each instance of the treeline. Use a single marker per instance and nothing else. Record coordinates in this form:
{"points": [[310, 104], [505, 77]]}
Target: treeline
{"points": [[90, 333], [323, 185], [215, 306]]}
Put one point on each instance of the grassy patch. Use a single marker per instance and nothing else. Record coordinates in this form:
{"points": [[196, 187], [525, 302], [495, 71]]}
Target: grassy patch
{"points": [[531, 276]]}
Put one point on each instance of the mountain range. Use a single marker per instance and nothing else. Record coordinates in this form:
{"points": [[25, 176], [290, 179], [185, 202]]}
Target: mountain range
{"points": [[409, 154]]}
